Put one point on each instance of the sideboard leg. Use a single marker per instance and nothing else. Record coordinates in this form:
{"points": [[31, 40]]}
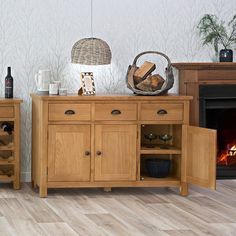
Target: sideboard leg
{"points": [[33, 184], [43, 191], [183, 189], [16, 184], [107, 190]]}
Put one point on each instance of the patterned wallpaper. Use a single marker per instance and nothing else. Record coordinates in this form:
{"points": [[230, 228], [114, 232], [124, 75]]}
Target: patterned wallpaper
{"points": [[39, 34]]}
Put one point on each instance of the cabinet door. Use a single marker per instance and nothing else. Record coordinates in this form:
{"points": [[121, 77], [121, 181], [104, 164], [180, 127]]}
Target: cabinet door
{"points": [[69, 153], [199, 156], [115, 152]]}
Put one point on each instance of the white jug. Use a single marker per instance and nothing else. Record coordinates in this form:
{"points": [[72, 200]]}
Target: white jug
{"points": [[42, 79]]}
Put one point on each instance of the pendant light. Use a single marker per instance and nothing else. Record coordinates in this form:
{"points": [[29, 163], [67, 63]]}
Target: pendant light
{"points": [[91, 51]]}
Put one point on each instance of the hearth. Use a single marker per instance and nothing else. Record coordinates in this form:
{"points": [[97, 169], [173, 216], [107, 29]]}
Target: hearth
{"points": [[217, 110]]}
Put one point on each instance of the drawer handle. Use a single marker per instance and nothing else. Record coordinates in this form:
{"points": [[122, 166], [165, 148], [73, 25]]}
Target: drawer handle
{"points": [[162, 112], [69, 112], [99, 153], [87, 153], [115, 112]]}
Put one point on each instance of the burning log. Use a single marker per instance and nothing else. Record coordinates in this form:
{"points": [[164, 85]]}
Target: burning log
{"points": [[232, 151], [227, 157]]}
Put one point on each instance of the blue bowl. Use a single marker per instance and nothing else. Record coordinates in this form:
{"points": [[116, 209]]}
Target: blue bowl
{"points": [[158, 168]]}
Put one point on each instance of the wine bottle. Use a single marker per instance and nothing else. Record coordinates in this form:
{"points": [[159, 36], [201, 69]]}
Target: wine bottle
{"points": [[7, 127], [9, 84]]}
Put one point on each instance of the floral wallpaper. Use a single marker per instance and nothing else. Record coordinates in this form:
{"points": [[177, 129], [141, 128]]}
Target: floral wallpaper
{"points": [[39, 34]]}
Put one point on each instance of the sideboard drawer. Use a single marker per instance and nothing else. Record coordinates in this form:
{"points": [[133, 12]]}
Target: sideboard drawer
{"points": [[6, 111], [60, 112], [115, 111], [162, 112]]}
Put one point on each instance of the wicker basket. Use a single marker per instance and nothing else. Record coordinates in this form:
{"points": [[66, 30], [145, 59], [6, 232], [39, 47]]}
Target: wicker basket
{"points": [[169, 80]]}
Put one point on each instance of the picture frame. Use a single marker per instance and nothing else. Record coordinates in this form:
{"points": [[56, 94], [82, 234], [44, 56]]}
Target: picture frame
{"points": [[87, 83]]}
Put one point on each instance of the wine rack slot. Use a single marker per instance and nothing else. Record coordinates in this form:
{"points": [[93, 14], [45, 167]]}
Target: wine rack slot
{"points": [[6, 171], [6, 157]]}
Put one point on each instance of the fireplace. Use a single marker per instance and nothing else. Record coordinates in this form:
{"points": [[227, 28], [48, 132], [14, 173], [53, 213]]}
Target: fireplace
{"points": [[217, 110]]}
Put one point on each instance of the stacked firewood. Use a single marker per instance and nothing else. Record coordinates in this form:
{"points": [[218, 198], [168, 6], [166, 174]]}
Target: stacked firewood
{"points": [[146, 81]]}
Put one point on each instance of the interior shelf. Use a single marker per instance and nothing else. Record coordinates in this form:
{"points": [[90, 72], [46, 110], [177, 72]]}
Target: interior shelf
{"points": [[5, 177], [7, 119], [159, 150], [5, 161], [148, 178], [6, 148], [3, 133], [168, 181]]}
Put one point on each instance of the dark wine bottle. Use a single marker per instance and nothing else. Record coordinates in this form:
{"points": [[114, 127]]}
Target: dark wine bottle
{"points": [[7, 127], [9, 84]]}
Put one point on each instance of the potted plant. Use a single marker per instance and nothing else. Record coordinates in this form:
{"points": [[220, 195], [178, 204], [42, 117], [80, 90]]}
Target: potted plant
{"points": [[214, 32]]}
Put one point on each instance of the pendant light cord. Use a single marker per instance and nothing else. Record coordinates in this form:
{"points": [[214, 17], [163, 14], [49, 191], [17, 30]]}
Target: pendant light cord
{"points": [[91, 17]]}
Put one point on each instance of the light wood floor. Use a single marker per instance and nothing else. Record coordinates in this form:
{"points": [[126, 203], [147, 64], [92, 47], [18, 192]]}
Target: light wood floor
{"points": [[133, 211]]}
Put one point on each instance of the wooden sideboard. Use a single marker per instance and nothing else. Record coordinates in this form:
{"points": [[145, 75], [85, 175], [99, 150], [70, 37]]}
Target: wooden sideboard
{"points": [[191, 75], [10, 141], [99, 141]]}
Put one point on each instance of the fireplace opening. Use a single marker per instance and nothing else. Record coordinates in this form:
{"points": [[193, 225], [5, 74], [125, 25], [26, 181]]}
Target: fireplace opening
{"points": [[218, 111]]}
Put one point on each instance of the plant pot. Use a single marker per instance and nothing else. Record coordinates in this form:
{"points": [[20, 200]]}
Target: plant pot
{"points": [[226, 55]]}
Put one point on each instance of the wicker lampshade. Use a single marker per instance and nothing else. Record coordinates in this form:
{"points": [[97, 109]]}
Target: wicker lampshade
{"points": [[91, 51]]}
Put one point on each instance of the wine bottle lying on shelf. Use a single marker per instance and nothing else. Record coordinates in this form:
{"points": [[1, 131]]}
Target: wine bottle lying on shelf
{"points": [[2, 143], [8, 158], [9, 173], [7, 127]]}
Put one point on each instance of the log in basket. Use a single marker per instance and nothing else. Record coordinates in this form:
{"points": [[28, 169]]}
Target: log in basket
{"points": [[168, 83]]}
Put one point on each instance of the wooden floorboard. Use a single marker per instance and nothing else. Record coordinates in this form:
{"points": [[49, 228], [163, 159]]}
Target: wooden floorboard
{"points": [[122, 212]]}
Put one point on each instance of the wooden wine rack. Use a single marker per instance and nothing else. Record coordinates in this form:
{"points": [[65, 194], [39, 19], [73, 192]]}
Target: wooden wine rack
{"points": [[10, 143]]}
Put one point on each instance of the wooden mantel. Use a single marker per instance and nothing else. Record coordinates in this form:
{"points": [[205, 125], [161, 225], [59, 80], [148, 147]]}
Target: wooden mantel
{"points": [[193, 74], [205, 65]]}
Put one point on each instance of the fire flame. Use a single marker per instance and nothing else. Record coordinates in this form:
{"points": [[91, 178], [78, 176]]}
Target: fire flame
{"points": [[227, 157]]}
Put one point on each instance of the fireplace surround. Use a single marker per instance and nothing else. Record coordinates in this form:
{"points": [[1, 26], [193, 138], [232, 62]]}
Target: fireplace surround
{"points": [[213, 87]]}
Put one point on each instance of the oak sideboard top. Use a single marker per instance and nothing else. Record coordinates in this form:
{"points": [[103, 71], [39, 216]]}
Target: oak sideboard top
{"points": [[205, 65], [10, 100], [113, 97]]}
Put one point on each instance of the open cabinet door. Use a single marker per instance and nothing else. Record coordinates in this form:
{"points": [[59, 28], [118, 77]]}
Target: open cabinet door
{"points": [[200, 156]]}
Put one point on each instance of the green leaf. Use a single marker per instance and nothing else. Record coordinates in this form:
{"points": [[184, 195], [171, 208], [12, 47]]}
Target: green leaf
{"points": [[214, 32]]}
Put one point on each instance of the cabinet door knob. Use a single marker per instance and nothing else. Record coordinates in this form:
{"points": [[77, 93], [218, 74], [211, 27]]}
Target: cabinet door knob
{"points": [[115, 112], [98, 153], [69, 112], [87, 153], [162, 112]]}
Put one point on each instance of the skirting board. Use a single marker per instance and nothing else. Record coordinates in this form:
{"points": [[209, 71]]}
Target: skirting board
{"points": [[25, 176]]}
